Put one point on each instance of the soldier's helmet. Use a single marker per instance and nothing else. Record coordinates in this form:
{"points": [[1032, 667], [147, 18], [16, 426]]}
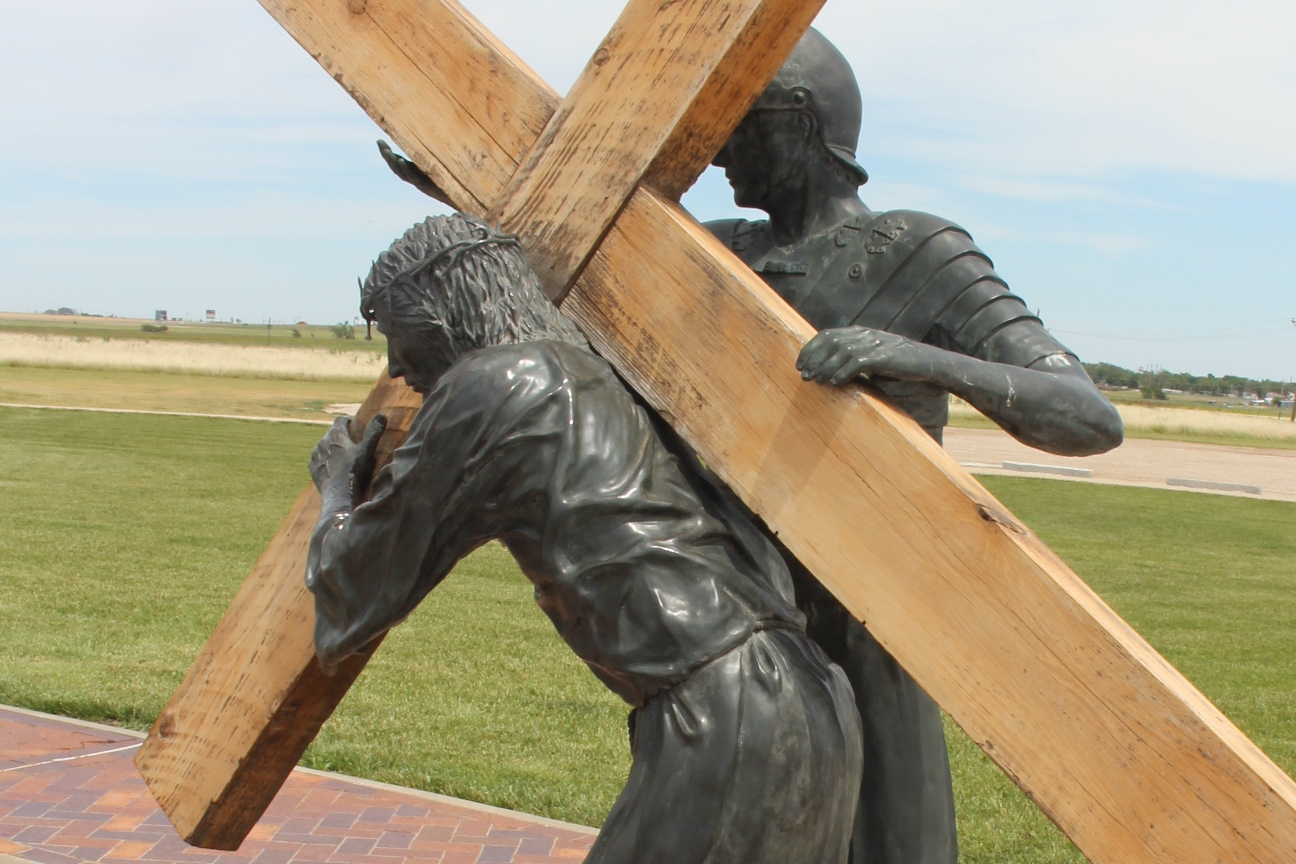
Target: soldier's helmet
{"points": [[817, 78]]}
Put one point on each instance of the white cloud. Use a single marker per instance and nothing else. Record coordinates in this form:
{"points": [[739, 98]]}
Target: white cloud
{"points": [[1011, 87], [1078, 89], [1081, 88]]}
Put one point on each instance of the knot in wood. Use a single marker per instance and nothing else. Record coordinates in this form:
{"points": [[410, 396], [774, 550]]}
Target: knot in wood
{"points": [[1000, 517], [357, 7]]}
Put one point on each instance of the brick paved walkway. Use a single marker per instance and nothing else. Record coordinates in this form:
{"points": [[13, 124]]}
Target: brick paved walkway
{"points": [[69, 792]]}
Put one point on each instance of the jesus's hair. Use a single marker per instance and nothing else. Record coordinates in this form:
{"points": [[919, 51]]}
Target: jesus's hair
{"points": [[465, 285]]}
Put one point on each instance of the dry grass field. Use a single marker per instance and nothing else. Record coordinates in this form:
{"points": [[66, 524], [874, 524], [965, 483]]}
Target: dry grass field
{"points": [[191, 357], [193, 394], [1171, 421], [99, 362]]}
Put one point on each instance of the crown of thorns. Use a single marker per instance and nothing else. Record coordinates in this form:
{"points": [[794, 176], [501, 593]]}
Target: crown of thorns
{"points": [[485, 236]]}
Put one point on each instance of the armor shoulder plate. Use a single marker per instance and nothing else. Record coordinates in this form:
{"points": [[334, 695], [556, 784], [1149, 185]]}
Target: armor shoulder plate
{"points": [[1025, 342], [723, 229], [946, 291], [744, 238], [983, 309], [894, 272]]}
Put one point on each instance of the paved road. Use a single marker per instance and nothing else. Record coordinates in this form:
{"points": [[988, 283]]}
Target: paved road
{"points": [[1137, 462]]}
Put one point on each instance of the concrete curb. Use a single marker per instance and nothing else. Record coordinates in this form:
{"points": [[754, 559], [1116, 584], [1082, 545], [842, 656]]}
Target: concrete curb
{"points": [[1213, 484], [86, 724], [1061, 470]]}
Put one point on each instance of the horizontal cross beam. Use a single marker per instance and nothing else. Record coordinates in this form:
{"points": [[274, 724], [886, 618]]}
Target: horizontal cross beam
{"points": [[1130, 760]]}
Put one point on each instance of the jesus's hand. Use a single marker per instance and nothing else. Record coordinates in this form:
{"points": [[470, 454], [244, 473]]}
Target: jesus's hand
{"points": [[331, 463]]}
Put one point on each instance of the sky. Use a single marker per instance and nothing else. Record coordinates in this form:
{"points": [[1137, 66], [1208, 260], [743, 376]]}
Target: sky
{"points": [[1129, 167]]}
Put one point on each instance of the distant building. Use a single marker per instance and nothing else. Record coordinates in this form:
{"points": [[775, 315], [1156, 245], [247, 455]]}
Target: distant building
{"points": [[211, 314], [159, 315]]}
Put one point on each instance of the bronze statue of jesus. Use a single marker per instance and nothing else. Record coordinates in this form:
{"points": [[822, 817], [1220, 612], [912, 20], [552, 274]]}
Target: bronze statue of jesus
{"points": [[745, 736]]}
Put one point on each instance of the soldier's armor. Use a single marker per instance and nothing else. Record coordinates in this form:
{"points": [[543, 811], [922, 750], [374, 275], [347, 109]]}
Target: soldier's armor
{"points": [[908, 273]]}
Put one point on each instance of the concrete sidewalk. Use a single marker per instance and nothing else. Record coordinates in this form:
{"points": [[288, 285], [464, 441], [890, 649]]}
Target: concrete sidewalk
{"points": [[1137, 462], [69, 792]]}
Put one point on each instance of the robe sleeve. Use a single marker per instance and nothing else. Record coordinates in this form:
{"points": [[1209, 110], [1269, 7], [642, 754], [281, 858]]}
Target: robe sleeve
{"points": [[443, 495]]}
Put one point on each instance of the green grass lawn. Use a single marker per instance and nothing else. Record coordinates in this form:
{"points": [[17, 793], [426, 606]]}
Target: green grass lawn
{"points": [[126, 537], [1209, 580]]}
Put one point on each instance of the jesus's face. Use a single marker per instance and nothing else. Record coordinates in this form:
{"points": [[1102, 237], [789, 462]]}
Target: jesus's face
{"points": [[410, 354]]}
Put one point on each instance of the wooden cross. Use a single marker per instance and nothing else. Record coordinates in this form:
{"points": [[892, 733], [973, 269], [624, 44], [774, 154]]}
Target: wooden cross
{"points": [[1117, 747]]}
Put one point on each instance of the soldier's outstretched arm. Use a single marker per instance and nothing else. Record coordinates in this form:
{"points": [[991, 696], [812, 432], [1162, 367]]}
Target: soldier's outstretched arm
{"points": [[412, 174], [1049, 404]]}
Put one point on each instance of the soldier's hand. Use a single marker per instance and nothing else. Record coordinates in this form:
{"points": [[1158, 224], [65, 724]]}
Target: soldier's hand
{"points": [[836, 356], [411, 173], [332, 459]]}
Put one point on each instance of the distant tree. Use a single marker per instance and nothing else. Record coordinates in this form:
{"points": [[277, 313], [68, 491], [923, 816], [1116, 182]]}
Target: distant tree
{"points": [[296, 333], [1153, 390], [1109, 375], [343, 330], [1151, 386], [1149, 381]]}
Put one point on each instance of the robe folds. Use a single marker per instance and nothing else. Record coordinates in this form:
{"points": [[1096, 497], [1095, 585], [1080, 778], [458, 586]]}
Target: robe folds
{"points": [[746, 736]]}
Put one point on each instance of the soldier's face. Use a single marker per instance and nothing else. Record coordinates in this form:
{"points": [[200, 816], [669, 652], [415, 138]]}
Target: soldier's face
{"points": [[765, 156]]}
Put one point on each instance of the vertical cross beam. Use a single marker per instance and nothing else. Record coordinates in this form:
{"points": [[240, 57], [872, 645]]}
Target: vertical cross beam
{"points": [[255, 697], [1117, 747]]}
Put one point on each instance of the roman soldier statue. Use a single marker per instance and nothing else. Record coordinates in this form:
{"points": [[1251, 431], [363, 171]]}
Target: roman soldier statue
{"points": [[909, 301]]}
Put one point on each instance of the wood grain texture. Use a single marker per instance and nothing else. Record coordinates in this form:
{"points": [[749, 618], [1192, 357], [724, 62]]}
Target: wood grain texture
{"points": [[663, 91], [466, 110], [255, 696], [1117, 747], [458, 102]]}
